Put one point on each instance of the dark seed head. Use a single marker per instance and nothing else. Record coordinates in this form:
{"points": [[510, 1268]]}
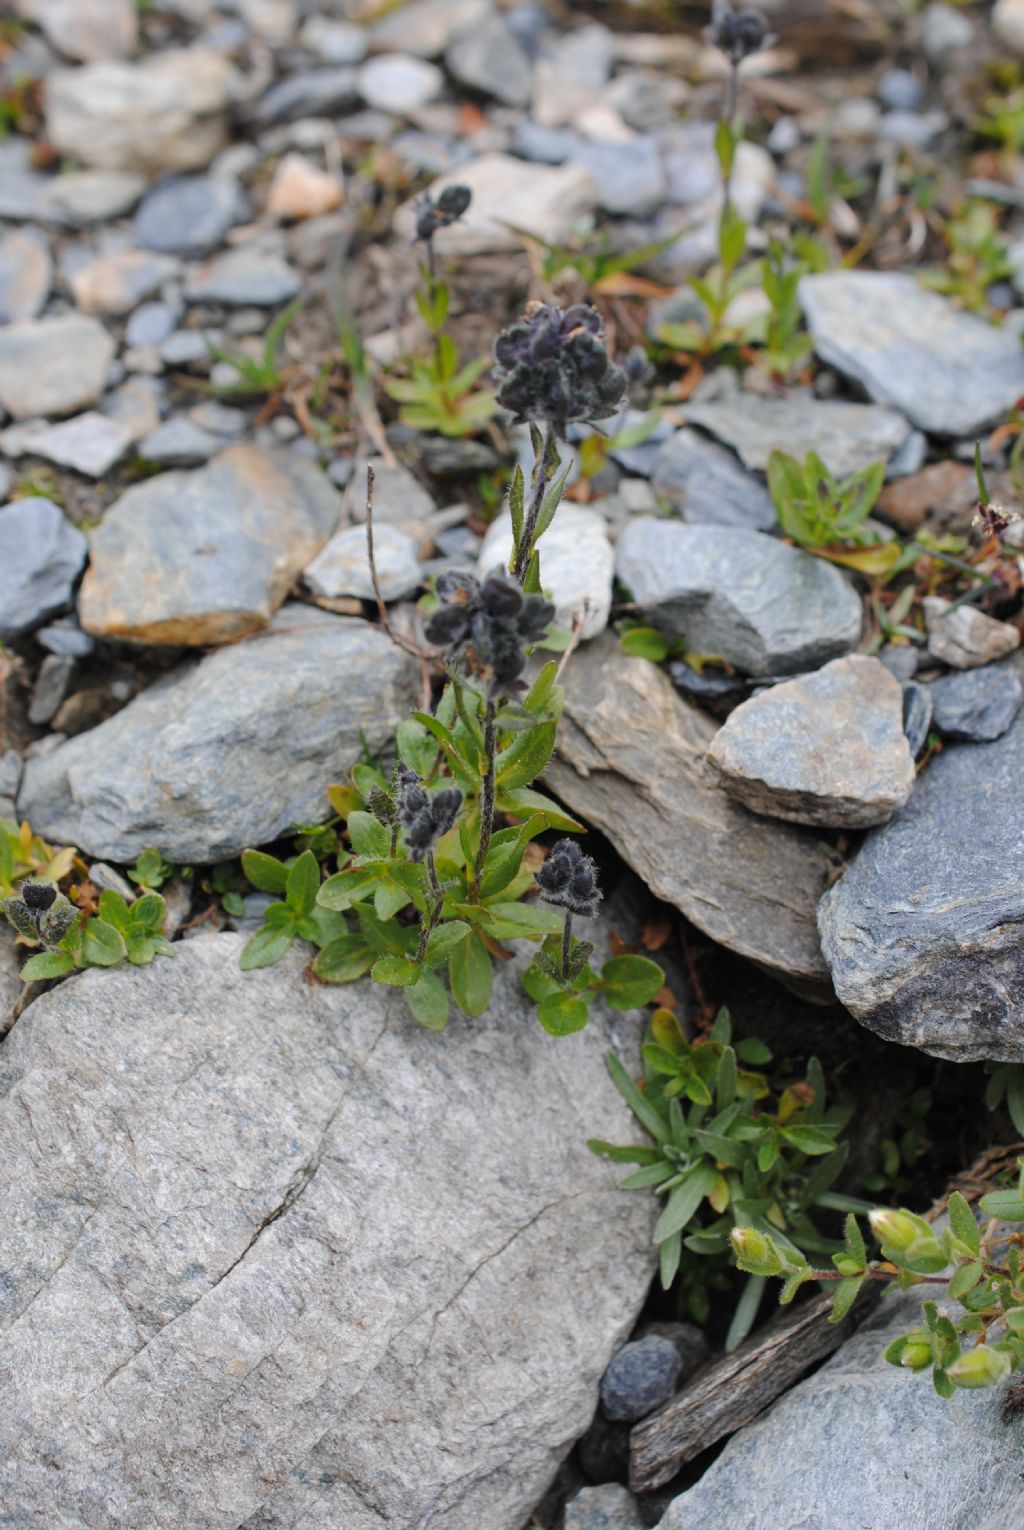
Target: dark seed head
{"points": [[568, 878], [38, 896], [737, 34], [448, 208], [552, 367]]}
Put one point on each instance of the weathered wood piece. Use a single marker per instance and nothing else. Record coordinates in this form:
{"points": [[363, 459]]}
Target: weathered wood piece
{"points": [[732, 1391]]}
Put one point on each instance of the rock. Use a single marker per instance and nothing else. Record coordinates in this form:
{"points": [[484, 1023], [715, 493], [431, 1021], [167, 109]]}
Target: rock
{"points": [[52, 684], [900, 90], [827, 748], [10, 777], [82, 197], [41, 556], [945, 33], [53, 366], [917, 715], [707, 486], [22, 187], [906, 504], [629, 177], [342, 568], [895, 338], [228, 751], [767, 608], [26, 271], [783, 1470], [150, 324], [244, 277], [488, 57], [965, 637], [978, 705], [208, 556], [712, 689], [641, 1377], [260, 1313], [167, 112], [426, 27], [913, 130], [311, 93], [576, 563], [136, 404], [630, 761], [179, 443], [609, 1507], [90, 444], [847, 437], [575, 71], [548, 201], [86, 29], [188, 214], [923, 932], [399, 83], [1008, 25], [695, 197], [115, 284], [398, 494], [334, 42], [11, 986], [299, 190], [690, 1341]]}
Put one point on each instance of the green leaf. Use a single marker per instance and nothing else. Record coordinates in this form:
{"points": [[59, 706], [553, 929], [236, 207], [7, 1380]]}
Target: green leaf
{"points": [[368, 836], [752, 1052], [637, 1101], [395, 971], [746, 1312], [1007, 1205], [428, 1001], [669, 1256], [113, 909], [525, 758], [443, 940], [542, 688], [266, 947], [561, 1014], [961, 1219], [844, 1296], [685, 1199], [339, 892], [47, 964], [471, 976], [512, 921], [1015, 1095], [415, 746], [645, 643], [631, 981], [965, 1280], [149, 911], [809, 1139], [516, 497], [303, 883], [102, 944], [265, 872], [344, 960]]}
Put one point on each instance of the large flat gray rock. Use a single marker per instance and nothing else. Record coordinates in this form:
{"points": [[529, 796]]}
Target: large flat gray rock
{"points": [[948, 371], [826, 748], [924, 933], [769, 608], [631, 761], [268, 1263], [708, 486], [863, 1445], [53, 366], [847, 437], [229, 751], [206, 557]]}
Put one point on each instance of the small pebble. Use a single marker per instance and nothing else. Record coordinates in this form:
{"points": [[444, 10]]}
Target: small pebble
{"points": [[641, 1377]]}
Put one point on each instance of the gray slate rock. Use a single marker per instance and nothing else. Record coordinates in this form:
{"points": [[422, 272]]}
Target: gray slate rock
{"points": [[767, 608], [26, 272], [978, 705], [488, 57], [399, 83], [343, 567], [826, 748], [896, 338], [90, 444], [787, 1470], [576, 561], [10, 777], [227, 752], [310, 93], [188, 214], [53, 366], [609, 1507], [207, 556], [708, 486], [249, 1280], [847, 437], [41, 556], [244, 277], [150, 324], [630, 761], [641, 1377], [167, 112], [917, 715], [179, 442], [923, 933], [629, 176], [965, 637]]}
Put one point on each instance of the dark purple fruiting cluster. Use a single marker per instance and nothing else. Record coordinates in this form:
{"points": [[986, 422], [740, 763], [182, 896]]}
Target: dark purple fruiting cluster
{"points": [[433, 215], [737, 34], [491, 624], [569, 879], [552, 367], [424, 817], [38, 896]]}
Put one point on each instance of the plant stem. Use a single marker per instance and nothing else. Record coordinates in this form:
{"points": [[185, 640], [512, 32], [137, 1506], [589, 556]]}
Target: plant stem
{"points": [[427, 927], [486, 800], [540, 483], [566, 943]]}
